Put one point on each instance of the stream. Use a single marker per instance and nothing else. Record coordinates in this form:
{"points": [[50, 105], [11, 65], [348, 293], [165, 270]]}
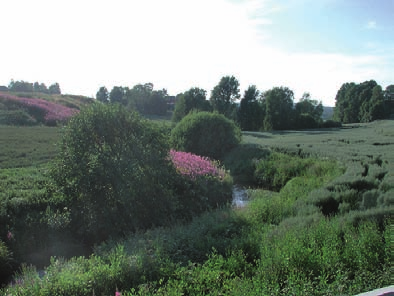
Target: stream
{"points": [[240, 197]]}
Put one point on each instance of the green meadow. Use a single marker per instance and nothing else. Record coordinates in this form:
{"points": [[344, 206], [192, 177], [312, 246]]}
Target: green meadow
{"points": [[318, 222]]}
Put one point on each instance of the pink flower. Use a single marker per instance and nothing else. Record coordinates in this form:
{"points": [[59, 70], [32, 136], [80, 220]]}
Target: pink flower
{"points": [[10, 236], [118, 293], [50, 111], [192, 165]]}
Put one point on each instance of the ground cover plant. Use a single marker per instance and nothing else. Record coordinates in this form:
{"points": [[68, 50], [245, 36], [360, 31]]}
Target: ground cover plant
{"points": [[285, 242]]}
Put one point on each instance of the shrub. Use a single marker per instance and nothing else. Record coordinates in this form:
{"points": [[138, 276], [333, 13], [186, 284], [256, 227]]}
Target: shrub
{"points": [[202, 184], [242, 160], [206, 134], [6, 262], [114, 171], [16, 117], [273, 173]]}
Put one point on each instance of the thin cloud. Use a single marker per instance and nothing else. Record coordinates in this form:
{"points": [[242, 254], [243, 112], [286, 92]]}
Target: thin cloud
{"points": [[371, 25]]}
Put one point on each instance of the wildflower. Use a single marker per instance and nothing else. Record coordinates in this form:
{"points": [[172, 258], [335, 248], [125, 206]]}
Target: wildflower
{"points": [[118, 293], [193, 166], [10, 236]]}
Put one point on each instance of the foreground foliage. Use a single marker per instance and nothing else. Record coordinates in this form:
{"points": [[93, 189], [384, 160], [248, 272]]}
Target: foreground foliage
{"points": [[296, 251]]}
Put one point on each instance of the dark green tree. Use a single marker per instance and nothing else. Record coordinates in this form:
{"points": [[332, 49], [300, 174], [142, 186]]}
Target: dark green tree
{"points": [[113, 170], [117, 95], [102, 95], [22, 86], [374, 107], [224, 95], [353, 102], [250, 113], [193, 99], [308, 112], [279, 111], [40, 87], [54, 89]]}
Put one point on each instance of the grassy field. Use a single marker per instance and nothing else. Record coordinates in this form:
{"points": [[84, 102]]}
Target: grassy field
{"points": [[352, 143], [27, 146], [325, 232]]}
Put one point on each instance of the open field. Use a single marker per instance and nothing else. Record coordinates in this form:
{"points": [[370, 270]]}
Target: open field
{"points": [[352, 143], [27, 146]]}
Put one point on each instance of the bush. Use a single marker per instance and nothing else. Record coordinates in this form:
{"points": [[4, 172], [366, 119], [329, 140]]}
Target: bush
{"points": [[205, 134], [274, 172], [7, 265], [242, 160], [202, 184], [16, 117], [114, 172]]}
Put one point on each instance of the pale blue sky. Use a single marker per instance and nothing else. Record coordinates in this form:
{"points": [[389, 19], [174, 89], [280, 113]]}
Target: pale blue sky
{"points": [[307, 45]]}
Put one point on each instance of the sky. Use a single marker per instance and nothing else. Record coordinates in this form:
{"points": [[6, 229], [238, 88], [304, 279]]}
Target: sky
{"points": [[309, 46]]}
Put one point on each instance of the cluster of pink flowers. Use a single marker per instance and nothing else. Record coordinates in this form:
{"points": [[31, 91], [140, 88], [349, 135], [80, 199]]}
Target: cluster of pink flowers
{"points": [[192, 165], [52, 112]]}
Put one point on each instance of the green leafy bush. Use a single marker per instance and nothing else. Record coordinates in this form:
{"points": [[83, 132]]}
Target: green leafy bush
{"points": [[242, 160], [273, 173], [114, 172], [16, 117], [206, 134]]}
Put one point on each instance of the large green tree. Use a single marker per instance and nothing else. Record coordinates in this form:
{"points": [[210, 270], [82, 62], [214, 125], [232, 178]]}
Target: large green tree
{"points": [[279, 114], [193, 99], [308, 112], [353, 102], [102, 95], [251, 112], [146, 100], [114, 172], [117, 95], [54, 89], [224, 95]]}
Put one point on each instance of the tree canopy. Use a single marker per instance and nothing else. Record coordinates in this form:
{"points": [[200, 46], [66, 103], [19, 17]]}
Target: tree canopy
{"points": [[363, 102], [279, 108], [224, 95], [193, 99]]}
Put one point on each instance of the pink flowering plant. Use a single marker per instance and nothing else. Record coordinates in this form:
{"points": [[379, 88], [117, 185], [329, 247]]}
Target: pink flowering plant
{"points": [[43, 111], [202, 185], [193, 166]]}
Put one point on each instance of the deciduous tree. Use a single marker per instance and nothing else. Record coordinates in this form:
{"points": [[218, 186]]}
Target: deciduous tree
{"points": [[224, 95]]}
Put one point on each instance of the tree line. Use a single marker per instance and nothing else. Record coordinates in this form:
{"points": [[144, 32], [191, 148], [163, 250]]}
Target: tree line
{"points": [[142, 98], [363, 102], [24, 86], [270, 110]]}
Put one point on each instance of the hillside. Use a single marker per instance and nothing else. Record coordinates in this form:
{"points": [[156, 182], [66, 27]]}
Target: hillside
{"points": [[35, 108]]}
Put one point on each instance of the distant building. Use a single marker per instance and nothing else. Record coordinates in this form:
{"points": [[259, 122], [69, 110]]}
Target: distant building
{"points": [[3, 88]]}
